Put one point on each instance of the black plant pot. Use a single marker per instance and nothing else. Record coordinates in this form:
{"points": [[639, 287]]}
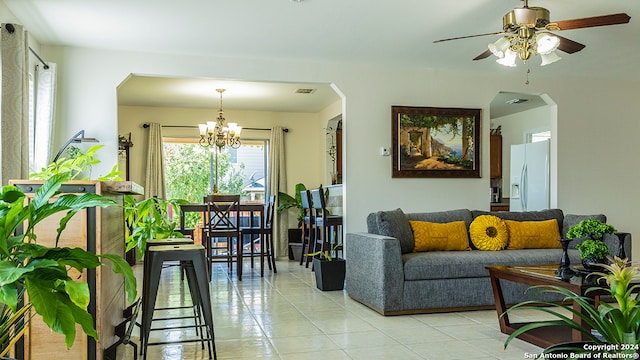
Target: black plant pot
{"points": [[589, 264], [329, 274], [294, 236]]}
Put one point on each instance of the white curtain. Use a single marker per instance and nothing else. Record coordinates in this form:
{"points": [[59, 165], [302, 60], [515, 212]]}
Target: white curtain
{"points": [[154, 180], [278, 182], [42, 129], [14, 104]]}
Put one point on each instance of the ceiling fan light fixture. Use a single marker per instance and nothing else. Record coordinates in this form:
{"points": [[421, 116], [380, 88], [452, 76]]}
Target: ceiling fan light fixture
{"points": [[499, 47], [549, 58], [509, 59], [546, 43]]}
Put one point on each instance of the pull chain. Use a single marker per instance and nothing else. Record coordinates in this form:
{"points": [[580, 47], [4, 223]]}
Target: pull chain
{"points": [[528, 71]]}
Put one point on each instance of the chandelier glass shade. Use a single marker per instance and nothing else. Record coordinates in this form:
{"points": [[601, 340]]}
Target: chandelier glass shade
{"points": [[217, 133], [523, 44]]}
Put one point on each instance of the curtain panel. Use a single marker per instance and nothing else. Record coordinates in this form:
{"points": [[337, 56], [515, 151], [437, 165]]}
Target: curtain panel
{"points": [[154, 179], [277, 183], [14, 104]]}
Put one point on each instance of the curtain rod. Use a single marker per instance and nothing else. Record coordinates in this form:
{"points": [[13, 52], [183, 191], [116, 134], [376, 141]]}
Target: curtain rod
{"points": [[11, 30], [195, 127]]}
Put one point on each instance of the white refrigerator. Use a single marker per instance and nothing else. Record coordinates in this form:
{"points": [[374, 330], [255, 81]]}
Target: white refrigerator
{"points": [[529, 178]]}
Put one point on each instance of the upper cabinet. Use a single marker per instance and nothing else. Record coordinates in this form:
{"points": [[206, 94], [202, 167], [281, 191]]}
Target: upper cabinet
{"points": [[496, 156]]}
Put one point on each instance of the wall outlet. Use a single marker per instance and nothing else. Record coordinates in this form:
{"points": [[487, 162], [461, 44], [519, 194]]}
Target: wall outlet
{"points": [[385, 151]]}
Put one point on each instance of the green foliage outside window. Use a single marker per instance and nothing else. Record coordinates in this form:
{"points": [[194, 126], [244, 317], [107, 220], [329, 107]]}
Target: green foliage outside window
{"points": [[187, 172]]}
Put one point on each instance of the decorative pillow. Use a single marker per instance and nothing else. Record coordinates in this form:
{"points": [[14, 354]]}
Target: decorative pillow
{"points": [[489, 232], [533, 234], [394, 223], [430, 236]]}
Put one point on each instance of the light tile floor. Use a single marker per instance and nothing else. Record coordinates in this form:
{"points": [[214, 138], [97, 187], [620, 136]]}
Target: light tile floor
{"points": [[284, 316]]}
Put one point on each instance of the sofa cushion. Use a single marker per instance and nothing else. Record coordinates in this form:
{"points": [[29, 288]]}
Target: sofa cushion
{"points": [[430, 236], [471, 264], [533, 234], [394, 223], [489, 232], [571, 220], [526, 215]]}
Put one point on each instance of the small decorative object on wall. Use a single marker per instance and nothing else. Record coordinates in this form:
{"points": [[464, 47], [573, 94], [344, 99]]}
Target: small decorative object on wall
{"points": [[435, 142]]}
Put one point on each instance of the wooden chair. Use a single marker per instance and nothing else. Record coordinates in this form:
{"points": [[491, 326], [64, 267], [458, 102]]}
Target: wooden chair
{"points": [[308, 228], [265, 232], [328, 227], [222, 222]]}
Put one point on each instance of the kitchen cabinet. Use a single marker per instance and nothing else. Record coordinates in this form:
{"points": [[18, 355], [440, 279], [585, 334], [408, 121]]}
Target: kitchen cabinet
{"points": [[98, 230], [495, 145]]}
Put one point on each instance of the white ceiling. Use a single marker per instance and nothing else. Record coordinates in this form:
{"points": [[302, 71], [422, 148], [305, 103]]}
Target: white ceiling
{"points": [[354, 31]]}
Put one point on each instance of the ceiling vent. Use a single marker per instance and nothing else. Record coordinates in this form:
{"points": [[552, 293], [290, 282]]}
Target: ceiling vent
{"points": [[516, 101], [305, 91]]}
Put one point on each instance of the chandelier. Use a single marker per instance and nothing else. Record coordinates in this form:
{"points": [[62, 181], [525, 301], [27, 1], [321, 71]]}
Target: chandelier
{"points": [[217, 133], [523, 38]]}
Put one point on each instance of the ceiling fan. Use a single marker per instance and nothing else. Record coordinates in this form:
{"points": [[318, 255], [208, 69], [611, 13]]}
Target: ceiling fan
{"points": [[527, 32]]}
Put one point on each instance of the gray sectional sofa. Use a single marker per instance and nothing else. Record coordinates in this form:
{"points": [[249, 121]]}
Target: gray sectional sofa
{"points": [[384, 274]]}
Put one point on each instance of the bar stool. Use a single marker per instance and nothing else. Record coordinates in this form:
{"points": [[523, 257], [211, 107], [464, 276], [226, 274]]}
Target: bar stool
{"points": [[328, 227], [265, 232], [308, 227], [192, 257]]}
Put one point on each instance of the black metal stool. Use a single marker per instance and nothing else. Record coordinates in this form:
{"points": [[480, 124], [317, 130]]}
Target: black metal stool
{"points": [[192, 259]]}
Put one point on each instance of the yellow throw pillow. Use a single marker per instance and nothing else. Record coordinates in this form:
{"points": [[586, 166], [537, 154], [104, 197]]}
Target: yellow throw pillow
{"points": [[533, 234], [489, 232], [430, 236]]}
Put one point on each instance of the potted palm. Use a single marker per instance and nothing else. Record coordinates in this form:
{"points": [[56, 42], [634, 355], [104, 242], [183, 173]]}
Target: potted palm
{"points": [[286, 201], [42, 273], [616, 324]]}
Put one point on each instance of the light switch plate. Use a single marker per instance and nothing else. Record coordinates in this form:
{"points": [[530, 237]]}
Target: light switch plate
{"points": [[385, 151]]}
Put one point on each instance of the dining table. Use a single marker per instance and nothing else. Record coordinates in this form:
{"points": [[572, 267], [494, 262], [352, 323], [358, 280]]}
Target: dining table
{"points": [[251, 209]]}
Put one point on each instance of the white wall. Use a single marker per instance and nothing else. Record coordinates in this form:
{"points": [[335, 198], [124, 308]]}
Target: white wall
{"points": [[597, 124]]}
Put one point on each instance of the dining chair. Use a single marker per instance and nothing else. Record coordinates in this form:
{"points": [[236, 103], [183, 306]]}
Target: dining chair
{"points": [[308, 227], [221, 230], [328, 227], [264, 230]]}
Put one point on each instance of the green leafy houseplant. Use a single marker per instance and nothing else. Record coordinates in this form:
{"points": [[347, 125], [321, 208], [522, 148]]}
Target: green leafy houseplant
{"points": [[77, 164], [150, 219], [593, 249], [615, 324], [591, 228], [286, 201], [43, 272]]}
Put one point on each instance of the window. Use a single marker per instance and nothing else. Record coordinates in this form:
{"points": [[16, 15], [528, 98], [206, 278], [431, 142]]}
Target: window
{"points": [[190, 169]]}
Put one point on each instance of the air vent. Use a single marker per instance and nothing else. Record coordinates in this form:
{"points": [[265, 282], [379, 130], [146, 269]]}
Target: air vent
{"points": [[516, 101], [305, 91]]}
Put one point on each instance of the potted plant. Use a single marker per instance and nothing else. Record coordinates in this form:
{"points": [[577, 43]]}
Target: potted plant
{"points": [[43, 272], [590, 228], [592, 250], [286, 201], [617, 324], [330, 271], [150, 219]]}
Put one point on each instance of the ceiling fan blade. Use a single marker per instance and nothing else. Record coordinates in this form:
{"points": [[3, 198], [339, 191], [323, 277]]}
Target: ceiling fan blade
{"points": [[569, 46], [484, 55], [468, 36], [603, 20]]}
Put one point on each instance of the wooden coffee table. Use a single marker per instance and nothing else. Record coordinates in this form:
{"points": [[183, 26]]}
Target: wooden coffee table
{"points": [[539, 275]]}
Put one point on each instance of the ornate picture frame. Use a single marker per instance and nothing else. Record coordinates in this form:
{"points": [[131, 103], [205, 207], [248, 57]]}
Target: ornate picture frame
{"points": [[429, 142]]}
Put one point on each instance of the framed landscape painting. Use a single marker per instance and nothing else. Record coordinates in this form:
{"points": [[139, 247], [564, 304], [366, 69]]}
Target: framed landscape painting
{"points": [[435, 142]]}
